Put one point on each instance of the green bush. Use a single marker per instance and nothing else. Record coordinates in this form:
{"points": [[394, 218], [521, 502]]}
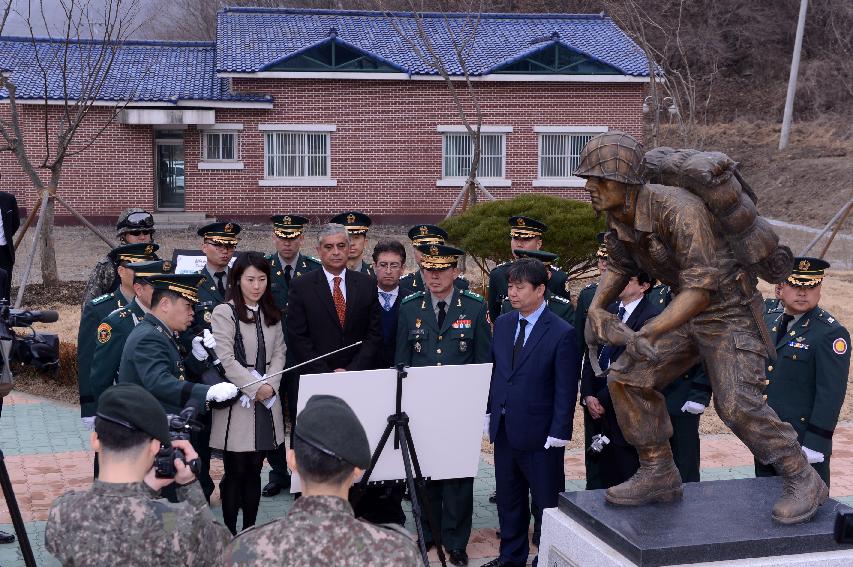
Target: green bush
{"points": [[483, 231]]}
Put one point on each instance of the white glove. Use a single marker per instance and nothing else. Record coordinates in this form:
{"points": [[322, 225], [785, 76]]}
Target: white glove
{"points": [[693, 407], [198, 350], [487, 423], [245, 401], [208, 339], [221, 392], [88, 423], [813, 456], [554, 442]]}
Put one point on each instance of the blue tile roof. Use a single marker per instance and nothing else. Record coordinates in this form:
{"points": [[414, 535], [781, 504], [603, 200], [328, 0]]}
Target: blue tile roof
{"points": [[144, 71], [252, 39]]}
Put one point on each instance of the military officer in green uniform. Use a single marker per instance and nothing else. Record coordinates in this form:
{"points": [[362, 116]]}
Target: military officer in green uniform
{"points": [[219, 241], [286, 263], [560, 306], [775, 302], [95, 311], [807, 382], [425, 234], [441, 326], [524, 234], [357, 225]]}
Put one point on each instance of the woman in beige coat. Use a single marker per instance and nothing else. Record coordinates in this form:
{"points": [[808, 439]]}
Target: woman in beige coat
{"points": [[250, 344]]}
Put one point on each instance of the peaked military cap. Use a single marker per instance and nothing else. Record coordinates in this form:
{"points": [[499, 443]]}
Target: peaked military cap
{"points": [[808, 272], [185, 285], [356, 222], [328, 424], [602, 247], [526, 227], [152, 268], [137, 252], [134, 407], [221, 233], [439, 256], [546, 258], [288, 226], [427, 234]]}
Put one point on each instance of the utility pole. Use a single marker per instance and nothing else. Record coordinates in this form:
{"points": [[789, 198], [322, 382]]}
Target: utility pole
{"points": [[792, 80]]}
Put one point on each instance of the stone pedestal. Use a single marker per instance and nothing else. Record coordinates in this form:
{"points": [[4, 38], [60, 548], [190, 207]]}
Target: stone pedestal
{"points": [[716, 524]]}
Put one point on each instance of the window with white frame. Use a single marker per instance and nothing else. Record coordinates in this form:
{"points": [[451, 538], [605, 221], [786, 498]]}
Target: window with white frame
{"points": [[560, 149], [458, 153], [296, 154], [220, 145]]}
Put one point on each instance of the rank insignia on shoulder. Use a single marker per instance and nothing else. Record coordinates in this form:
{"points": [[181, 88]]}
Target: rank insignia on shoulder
{"points": [[472, 295], [839, 346], [122, 313], [413, 296], [104, 333], [102, 298]]}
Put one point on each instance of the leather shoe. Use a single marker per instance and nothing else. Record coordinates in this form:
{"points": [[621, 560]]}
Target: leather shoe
{"points": [[501, 563], [271, 489], [458, 557], [6, 537]]}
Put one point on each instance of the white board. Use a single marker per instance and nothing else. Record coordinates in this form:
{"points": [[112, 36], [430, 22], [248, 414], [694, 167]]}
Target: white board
{"points": [[192, 261], [445, 405]]}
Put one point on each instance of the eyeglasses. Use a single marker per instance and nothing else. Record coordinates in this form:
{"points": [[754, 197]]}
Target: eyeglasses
{"points": [[139, 232], [220, 245], [389, 265]]}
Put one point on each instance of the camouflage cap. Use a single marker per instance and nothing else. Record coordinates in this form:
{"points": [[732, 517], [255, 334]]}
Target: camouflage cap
{"points": [[328, 424], [136, 408], [613, 155]]}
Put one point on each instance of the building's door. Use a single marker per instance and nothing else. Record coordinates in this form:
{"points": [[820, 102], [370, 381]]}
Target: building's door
{"points": [[170, 171]]}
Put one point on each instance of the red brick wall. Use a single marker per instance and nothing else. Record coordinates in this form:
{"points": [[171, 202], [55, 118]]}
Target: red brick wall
{"points": [[386, 152]]}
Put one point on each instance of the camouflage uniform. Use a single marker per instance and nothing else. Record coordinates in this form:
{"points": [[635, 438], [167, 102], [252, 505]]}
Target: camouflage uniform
{"points": [[129, 524], [101, 281], [321, 531]]}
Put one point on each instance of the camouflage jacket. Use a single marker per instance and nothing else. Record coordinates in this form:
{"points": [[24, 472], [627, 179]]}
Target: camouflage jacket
{"points": [[101, 280], [129, 524], [320, 531]]}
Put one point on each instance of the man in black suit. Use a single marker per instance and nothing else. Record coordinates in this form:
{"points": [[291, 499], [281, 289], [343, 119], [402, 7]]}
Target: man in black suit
{"points": [[389, 260], [10, 220], [531, 403], [618, 461], [332, 308]]}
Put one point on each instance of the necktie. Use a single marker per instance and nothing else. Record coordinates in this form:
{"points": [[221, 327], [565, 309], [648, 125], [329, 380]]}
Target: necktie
{"points": [[287, 273], [340, 302], [519, 341], [386, 300], [442, 313], [621, 313], [220, 282], [783, 326]]}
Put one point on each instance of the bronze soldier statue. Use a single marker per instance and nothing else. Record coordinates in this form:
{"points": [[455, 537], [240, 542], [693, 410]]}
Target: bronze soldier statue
{"points": [[715, 316]]}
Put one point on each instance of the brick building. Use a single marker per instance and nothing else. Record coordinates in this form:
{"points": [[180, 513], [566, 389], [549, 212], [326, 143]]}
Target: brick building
{"points": [[319, 111]]}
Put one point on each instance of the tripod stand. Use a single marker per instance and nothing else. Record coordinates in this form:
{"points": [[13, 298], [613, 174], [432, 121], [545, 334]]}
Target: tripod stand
{"points": [[398, 422]]}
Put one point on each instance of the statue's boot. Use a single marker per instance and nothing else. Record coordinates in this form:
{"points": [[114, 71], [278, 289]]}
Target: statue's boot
{"points": [[803, 491], [657, 480]]}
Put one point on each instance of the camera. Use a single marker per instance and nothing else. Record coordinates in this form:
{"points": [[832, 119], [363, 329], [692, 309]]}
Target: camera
{"points": [[598, 443], [180, 428], [40, 350]]}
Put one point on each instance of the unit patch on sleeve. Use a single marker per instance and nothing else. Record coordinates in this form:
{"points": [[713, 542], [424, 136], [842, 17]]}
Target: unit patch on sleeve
{"points": [[839, 346], [105, 332]]}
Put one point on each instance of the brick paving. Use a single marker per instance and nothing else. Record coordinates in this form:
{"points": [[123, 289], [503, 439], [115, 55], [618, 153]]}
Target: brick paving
{"points": [[46, 452]]}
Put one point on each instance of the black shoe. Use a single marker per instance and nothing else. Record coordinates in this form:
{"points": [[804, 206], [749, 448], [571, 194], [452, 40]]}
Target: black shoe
{"points": [[493, 498], [6, 537], [458, 557], [501, 563], [271, 489]]}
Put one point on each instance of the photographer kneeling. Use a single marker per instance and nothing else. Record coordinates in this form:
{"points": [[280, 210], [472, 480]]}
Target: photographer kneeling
{"points": [[121, 519]]}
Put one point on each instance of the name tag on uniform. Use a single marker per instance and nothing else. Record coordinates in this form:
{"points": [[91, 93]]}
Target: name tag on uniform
{"points": [[803, 346], [462, 324]]}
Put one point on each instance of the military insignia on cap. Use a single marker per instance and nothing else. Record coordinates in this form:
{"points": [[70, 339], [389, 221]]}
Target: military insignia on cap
{"points": [[839, 346], [229, 227], [167, 266], [423, 230], [286, 220], [149, 250], [350, 218], [804, 265], [519, 221], [105, 332], [433, 250]]}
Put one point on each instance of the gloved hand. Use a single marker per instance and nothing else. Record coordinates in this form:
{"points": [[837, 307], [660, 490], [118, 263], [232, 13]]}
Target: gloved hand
{"points": [[198, 350], [554, 442], [245, 401], [813, 456], [208, 339], [486, 423], [88, 423], [221, 392], [693, 407]]}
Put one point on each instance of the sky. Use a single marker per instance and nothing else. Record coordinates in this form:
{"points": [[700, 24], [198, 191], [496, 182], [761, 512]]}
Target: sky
{"points": [[54, 15]]}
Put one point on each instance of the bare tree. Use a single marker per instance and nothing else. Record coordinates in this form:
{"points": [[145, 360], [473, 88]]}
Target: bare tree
{"points": [[81, 60]]}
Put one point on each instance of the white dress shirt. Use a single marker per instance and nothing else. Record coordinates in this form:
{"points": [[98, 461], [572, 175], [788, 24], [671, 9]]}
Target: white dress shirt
{"points": [[331, 279], [531, 321], [629, 308], [394, 293]]}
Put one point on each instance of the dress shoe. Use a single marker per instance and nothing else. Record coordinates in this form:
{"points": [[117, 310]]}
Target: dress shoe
{"points": [[6, 537], [501, 563], [271, 489], [493, 498], [458, 557]]}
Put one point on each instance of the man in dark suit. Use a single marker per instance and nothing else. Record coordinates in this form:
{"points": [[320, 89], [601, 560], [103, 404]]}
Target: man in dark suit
{"points": [[11, 220], [389, 260], [334, 307], [618, 461], [531, 403]]}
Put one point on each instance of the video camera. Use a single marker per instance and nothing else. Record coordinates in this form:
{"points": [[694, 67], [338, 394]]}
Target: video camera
{"points": [[180, 428], [38, 349]]}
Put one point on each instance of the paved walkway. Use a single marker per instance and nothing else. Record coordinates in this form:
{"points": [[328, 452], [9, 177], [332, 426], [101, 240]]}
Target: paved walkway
{"points": [[47, 453]]}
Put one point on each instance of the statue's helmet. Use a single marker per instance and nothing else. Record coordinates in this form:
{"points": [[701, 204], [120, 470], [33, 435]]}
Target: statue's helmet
{"points": [[613, 155]]}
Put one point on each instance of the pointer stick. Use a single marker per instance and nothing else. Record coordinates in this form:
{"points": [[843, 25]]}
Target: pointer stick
{"points": [[298, 365]]}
